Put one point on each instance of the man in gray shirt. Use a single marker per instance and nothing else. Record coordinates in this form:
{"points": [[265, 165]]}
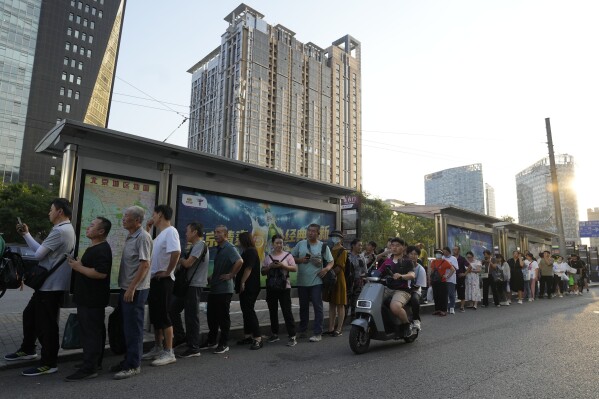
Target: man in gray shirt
{"points": [[196, 265], [40, 317], [227, 263], [134, 282]]}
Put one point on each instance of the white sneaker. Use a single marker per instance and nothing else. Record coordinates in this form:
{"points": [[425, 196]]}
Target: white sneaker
{"points": [[123, 374], [316, 338], [520, 301], [451, 311], [166, 357], [153, 353], [529, 299], [417, 325]]}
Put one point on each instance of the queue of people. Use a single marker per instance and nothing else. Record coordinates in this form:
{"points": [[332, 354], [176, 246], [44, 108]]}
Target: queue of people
{"points": [[333, 275]]}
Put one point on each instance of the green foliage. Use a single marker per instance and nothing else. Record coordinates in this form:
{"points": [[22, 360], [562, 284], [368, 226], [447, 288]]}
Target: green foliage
{"points": [[30, 203], [508, 218], [379, 222]]}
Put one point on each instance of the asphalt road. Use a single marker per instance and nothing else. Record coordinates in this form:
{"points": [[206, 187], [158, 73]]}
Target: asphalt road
{"points": [[545, 349]]}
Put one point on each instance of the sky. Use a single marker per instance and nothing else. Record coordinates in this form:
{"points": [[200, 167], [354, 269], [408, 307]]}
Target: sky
{"points": [[445, 83]]}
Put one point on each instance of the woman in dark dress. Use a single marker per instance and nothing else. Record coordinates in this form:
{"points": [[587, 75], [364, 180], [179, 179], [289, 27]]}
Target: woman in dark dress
{"points": [[247, 284]]}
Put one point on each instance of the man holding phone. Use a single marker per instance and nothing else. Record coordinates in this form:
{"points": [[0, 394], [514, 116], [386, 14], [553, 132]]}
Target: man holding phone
{"points": [[40, 317], [308, 255]]}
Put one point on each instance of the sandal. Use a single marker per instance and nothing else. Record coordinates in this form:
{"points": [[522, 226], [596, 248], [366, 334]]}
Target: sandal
{"points": [[336, 334]]}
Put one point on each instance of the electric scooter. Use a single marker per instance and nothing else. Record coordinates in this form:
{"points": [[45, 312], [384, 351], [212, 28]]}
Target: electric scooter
{"points": [[374, 319]]}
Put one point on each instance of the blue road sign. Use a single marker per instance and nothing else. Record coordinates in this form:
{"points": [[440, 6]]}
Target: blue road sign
{"points": [[589, 229]]}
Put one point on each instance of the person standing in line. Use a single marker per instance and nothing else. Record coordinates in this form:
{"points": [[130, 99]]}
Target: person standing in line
{"points": [[416, 285], [516, 263], [488, 281], [227, 264], [134, 282], [451, 279], [40, 317], [440, 270], [196, 263], [370, 254], [359, 269], [461, 277], [310, 255], [423, 255], [578, 264], [533, 269], [247, 284], [502, 285], [165, 256], [472, 280], [279, 259], [92, 294], [546, 269], [336, 295], [559, 275]]}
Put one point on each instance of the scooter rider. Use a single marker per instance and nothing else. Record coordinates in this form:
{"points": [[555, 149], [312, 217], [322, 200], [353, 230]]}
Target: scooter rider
{"points": [[398, 289]]}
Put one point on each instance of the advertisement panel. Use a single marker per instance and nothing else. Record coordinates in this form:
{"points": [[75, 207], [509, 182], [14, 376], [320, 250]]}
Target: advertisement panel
{"points": [[107, 196], [262, 219], [469, 240]]}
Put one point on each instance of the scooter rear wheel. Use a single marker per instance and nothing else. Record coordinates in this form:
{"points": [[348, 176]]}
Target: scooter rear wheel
{"points": [[359, 340]]}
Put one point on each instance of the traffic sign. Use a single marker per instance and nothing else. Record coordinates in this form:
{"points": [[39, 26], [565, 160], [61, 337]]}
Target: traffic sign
{"points": [[589, 229]]}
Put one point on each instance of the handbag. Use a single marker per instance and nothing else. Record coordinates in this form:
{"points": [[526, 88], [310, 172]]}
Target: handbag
{"points": [[116, 333], [11, 270], [35, 276], [71, 338], [181, 284], [330, 279]]}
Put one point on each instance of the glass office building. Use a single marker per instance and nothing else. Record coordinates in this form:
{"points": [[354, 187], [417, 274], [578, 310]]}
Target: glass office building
{"points": [[461, 187]]}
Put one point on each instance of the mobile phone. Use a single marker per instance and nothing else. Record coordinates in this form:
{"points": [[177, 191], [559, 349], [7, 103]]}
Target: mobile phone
{"points": [[19, 220], [69, 256]]}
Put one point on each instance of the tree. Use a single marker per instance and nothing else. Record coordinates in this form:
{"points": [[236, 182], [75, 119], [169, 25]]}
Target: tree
{"points": [[508, 218], [30, 203]]}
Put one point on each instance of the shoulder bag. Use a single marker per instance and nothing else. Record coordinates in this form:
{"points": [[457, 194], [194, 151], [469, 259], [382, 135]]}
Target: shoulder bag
{"points": [[276, 279], [181, 284], [35, 276]]}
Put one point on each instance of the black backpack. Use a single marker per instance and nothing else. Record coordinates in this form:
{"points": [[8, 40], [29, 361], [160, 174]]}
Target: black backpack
{"points": [[11, 270], [277, 278]]}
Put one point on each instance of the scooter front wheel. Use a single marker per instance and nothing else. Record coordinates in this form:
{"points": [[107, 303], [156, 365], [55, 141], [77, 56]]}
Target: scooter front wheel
{"points": [[359, 340], [411, 338]]}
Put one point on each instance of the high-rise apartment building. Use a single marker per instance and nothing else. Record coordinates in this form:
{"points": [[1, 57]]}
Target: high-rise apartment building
{"points": [[490, 200], [57, 61], [265, 98], [461, 187], [535, 200]]}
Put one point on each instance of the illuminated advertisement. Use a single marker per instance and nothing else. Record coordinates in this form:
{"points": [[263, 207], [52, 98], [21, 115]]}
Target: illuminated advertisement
{"points": [[108, 196], [261, 218], [469, 240]]}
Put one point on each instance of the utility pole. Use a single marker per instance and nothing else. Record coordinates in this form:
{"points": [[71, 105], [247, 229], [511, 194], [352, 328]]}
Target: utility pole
{"points": [[555, 190]]}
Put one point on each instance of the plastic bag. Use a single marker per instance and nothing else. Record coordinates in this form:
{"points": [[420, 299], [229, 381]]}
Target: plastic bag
{"points": [[71, 339]]}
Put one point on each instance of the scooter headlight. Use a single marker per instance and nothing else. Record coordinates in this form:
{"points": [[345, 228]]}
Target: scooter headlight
{"points": [[363, 304]]}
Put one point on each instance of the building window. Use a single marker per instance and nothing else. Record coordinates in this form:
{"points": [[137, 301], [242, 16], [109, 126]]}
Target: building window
{"points": [[69, 93], [66, 61], [67, 46], [75, 48], [92, 24], [78, 19], [87, 8], [83, 36], [62, 91], [82, 50], [99, 14], [77, 34], [85, 22], [72, 3], [80, 66], [91, 39], [79, 80], [89, 54], [101, 1], [79, 5], [58, 120], [67, 108], [52, 170], [71, 16], [76, 95], [69, 31], [71, 77], [64, 76], [94, 11], [73, 63], [60, 107]]}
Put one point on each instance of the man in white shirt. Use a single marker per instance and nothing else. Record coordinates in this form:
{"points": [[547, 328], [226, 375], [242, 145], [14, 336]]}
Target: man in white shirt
{"points": [[165, 256]]}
